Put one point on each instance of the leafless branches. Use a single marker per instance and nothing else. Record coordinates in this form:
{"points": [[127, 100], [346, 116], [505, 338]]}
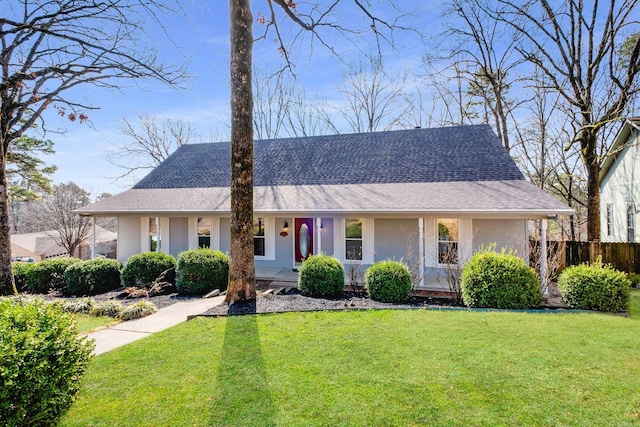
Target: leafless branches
{"points": [[150, 140]]}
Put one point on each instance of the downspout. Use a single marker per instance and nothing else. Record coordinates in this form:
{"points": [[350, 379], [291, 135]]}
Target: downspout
{"points": [[421, 244]]}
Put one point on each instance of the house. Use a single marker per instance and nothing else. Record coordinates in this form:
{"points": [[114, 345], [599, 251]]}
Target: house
{"points": [[620, 185], [428, 196], [41, 245]]}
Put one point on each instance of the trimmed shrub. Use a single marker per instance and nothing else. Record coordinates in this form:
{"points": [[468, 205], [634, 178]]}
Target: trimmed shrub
{"points": [[321, 275], [93, 277], [595, 287], [42, 363], [138, 310], [634, 279], [110, 308], [202, 270], [20, 275], [49, 274], [142, 269], [499, 280], [388, 281]]}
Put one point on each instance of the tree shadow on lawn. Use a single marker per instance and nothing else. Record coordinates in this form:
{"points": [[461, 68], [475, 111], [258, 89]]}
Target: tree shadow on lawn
{"points": [[243, 387]]}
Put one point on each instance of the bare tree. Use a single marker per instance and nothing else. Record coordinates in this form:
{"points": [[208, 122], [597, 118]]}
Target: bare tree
{"points": [[150, 141], [54, 215], [576, 45], [374, 97], [48, 47], [307, 18]]}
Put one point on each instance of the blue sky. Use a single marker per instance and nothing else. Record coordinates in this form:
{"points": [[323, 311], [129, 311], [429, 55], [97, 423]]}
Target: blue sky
{"points": [[202, 39]]}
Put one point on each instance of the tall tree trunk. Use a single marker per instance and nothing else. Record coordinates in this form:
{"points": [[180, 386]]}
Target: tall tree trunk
{"points": [[593, 199], [242, 276], [7, 286]]}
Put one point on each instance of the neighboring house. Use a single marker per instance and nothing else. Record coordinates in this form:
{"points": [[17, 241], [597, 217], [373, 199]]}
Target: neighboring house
{"points": [[620, 186], [41, 245], [427, 196]]}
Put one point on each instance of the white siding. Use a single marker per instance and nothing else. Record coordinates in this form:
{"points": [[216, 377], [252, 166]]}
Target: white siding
{"points": [[621, 188], [505, 233], [128, 237]]}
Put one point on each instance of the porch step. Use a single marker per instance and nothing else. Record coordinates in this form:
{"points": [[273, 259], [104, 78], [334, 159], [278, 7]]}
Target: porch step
{"points": [[283, 284]]}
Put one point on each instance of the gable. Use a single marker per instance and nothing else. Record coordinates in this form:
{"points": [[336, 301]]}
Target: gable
{"points": [[449, 154]]}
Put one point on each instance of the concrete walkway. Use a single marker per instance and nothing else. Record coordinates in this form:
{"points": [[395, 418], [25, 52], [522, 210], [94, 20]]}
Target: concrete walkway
{"points": [[133, 330]]}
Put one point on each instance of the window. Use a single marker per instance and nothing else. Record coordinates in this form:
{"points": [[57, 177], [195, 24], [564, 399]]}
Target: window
{"points": [[258, 237], [609, 219], [353, 236], [204, 232], [447, 241], [631, 228], [154, 235]]}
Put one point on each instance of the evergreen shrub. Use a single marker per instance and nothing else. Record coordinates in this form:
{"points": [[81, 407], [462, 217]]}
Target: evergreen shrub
{"points": [[93, 277], [202, 270], [43, 361], [321, 276], [388, 281], [48, 274], [142, 269], [595, 287], [499, 280]]}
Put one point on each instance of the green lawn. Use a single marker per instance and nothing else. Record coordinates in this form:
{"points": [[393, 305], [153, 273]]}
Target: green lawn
{"points": [[635, 304], [395, 368], [88, 323]]}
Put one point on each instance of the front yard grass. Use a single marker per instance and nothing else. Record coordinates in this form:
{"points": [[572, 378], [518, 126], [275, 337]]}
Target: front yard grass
{"points": [[634, 312], [400, 368], [86, 323]]}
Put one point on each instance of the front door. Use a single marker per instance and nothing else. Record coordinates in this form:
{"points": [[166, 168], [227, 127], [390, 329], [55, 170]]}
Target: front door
{"points": [[303, 238]]}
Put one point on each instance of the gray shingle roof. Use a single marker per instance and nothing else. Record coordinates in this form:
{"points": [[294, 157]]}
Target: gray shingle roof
{"points": [[449, 154], [461, 169]]}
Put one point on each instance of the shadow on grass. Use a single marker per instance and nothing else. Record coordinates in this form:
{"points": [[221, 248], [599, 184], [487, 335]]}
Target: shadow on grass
{"points": [[243, 388]]}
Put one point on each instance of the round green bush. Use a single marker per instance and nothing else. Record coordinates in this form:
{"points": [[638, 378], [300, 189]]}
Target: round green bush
{"points": [[388, 281], [49, 274], [595, 287], [499, 280], [322, 276], [20, 275], [202, 270], [43, 360], [92, 277], [142, 269]]}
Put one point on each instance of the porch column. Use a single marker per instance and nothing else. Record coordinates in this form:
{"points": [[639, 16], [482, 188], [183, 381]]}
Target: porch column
{"points": [[319, 235], [421, 244], [543, 254], [93, 240]]}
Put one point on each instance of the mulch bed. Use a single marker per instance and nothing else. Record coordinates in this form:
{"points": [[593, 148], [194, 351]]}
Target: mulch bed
{"points": [[293, 301], [160, 301]]}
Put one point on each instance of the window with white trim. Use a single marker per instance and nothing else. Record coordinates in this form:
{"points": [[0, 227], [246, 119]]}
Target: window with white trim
{"points": [[353, 239], [259, 239], [204, 232], [631, 223], [447, 241], [609, 219]]}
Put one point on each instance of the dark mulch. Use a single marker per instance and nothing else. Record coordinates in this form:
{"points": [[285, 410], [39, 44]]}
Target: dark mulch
{"points": [[160, 301], [293, 301]]}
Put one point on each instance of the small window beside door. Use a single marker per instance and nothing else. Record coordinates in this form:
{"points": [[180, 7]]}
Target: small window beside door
{"points": [[259, 237], [631, 223]]}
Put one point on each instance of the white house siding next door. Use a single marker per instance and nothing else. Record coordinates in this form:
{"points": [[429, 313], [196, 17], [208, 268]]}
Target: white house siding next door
{"points": [[178, 235], [505, 233], [396, 238]]}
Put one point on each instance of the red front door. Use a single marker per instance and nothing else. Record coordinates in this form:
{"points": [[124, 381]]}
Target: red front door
{"points": [[304, 238]]}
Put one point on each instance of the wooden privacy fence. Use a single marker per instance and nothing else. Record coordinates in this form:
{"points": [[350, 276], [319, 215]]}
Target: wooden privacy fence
{"points": [[622, 256]]}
